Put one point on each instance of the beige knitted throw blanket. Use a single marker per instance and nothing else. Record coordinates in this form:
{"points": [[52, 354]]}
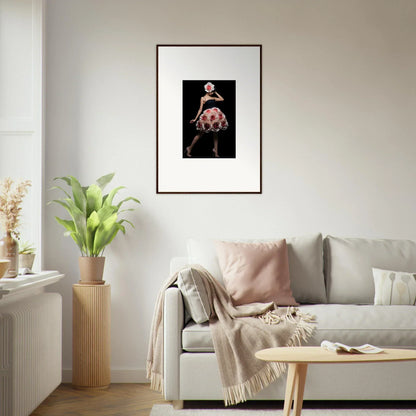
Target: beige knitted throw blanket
{"points": [[237, 333]]}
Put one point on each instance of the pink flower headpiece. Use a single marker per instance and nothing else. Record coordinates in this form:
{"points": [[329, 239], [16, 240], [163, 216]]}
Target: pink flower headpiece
{"points": [[209, 87]]}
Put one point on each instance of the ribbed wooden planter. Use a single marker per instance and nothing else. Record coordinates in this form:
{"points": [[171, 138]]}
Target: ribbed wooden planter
{"points": [[91, 342]]}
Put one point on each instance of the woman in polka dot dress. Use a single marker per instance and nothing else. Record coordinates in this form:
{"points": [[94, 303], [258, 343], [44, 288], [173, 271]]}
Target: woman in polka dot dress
{"points": [[212, 118]]}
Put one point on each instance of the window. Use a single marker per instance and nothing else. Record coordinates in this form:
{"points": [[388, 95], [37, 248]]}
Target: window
{"points": [[21, 108]]}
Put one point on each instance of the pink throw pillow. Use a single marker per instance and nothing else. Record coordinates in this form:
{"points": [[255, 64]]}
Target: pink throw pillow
{"points": [[256, 272]]}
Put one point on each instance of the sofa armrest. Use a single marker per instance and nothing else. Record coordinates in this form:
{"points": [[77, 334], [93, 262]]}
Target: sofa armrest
{"points": [[173, 325]]}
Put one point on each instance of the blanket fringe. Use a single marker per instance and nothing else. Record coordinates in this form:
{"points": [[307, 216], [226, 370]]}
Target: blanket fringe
{"points": [[305, 323], [241, 392], [156, 380], [305, 327]]}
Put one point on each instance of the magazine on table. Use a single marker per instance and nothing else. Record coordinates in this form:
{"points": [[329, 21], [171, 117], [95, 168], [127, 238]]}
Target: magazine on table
{"points": [[362, 349]]}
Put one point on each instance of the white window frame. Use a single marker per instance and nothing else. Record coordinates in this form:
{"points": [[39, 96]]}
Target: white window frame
{"points": [[32, 126]]}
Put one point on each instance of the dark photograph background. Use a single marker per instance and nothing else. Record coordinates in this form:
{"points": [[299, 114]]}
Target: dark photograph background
{"points": [[191, 98]]}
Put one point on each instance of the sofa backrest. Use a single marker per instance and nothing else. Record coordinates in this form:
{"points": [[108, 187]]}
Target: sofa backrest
{"points": [[305, 264], [177, 263], [348, 264], [333, 270]]}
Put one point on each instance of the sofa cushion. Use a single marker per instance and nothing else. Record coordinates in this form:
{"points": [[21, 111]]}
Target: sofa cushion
{"points": [[306, 268], [256, 272], [305, 264], [197, 338], [195, 297], [383, 326], [177, 263], [202, 251], [349, 263], [394, 288]]}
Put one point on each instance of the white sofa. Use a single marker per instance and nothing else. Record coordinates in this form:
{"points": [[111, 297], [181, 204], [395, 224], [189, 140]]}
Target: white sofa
{"points": [[332, 279]]}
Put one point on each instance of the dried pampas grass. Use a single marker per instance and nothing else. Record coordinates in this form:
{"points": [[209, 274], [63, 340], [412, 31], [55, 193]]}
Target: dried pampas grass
{"points": [[11, 198]]}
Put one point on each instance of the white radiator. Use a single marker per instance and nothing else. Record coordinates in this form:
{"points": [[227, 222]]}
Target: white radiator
{"points": [[30, 352]]}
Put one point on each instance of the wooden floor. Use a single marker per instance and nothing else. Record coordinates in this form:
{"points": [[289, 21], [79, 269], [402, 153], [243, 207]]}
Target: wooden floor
{"points": [[118, 399], [138, 399]]}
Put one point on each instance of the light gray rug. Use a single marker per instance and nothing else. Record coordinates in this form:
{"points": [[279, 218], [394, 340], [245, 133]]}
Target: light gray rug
{"points": [[167, 410]]}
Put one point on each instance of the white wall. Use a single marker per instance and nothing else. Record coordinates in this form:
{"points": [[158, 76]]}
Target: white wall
{"points": [[339, 128]]}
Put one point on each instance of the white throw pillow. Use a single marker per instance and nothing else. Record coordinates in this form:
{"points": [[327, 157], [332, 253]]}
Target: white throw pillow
{"points": [[394, 288], [194, 294]]}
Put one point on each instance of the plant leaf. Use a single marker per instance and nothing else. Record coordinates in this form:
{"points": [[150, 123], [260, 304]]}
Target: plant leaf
{"points": [[80, 222], [117, 228], [104, 233], [63, 178], [122, 228], [78, 242], [61, 189], [124, 220], [68, 224], [78, 219], [94, 199], [109, 199], [78, 194], [103, 181], [130, 198], [93, 222], [71, 230], [106, 211], [63, 203]]}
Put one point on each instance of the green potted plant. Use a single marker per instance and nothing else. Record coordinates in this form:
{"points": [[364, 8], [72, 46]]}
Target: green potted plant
{"points": [[95, 221], [27, 253]]}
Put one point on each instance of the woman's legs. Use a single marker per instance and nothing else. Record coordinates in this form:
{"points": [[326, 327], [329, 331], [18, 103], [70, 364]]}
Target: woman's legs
{"points": [[189, 148], [215, 149]]}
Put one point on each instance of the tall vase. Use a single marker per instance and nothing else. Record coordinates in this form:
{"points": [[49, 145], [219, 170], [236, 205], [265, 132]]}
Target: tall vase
{"points": [[9, 250]]}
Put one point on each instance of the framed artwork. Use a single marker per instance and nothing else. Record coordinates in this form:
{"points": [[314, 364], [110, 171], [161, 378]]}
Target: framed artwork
{"points": [[209, 119]]}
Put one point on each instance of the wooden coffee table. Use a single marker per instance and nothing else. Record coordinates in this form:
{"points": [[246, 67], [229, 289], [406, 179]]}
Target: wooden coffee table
{"points": [[298, 359]]}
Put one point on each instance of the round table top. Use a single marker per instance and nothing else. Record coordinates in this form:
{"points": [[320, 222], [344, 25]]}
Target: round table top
{"points": [[310, 355]]}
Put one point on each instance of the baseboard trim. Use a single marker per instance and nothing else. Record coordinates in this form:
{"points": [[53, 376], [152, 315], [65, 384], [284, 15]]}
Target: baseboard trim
{"points": [[117, 375]]}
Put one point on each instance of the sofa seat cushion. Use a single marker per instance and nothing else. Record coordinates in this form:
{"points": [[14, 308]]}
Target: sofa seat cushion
{"points": [[381, 325], [197, 338], [386, 326]]}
